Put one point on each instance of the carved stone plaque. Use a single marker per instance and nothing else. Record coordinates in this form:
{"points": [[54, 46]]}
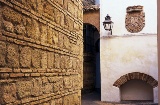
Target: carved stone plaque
{"points": [[135, 19]]}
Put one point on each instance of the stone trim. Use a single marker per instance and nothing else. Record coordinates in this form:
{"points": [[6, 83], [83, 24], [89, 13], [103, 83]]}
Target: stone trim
{"points": [[136, 75], [91, 8], [88, 2]]}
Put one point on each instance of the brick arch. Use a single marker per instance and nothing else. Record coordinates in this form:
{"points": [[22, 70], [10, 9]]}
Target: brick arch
{"points": [[136, 75]]}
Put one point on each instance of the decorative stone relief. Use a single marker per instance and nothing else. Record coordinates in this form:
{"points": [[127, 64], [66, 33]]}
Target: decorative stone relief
{"points": [[135, 19]]}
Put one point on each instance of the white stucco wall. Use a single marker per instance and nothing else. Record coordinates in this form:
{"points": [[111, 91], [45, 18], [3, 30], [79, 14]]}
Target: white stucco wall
{"points": [[117, 10], [126, 54]]}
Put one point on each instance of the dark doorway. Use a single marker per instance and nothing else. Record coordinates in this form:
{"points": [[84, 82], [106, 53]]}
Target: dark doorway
{"points": [[91, 55]]}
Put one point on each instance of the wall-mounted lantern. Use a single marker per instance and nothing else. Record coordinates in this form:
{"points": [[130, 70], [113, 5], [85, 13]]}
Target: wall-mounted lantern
{"points": [[108, 24]]}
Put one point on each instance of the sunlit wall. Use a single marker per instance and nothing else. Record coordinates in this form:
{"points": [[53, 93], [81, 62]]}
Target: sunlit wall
{"points": [[117, 10]]}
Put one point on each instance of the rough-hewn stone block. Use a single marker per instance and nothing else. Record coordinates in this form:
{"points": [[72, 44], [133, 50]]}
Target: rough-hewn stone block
{"points": [[36, 58], [20, 30], [58, 85], [61, 40], [12, 55], [25, 57], [50, 57], [37, 87], [67, 82], [47, 88], [11, 15], [2, 53], [36, 30], [50, 36], [8, 93], [43, 30], [59, 101], [66, 42], [24, 88], [55, 37], [8, 26], [57, 61], [44, 59], [29, 27]]}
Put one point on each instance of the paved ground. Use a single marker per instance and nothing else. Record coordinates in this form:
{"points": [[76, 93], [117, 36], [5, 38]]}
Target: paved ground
{"points": [[94, 99]]}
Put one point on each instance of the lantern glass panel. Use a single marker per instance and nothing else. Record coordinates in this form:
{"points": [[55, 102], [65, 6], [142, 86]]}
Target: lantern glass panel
{"points": [[107, 26]]}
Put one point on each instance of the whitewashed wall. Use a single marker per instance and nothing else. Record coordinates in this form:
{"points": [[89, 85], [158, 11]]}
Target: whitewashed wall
{"points": [[117, 10], [126, 54]]}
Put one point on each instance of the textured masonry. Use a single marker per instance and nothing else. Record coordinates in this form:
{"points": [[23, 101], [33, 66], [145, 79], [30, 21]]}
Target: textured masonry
{"points": [[41, 52], [136, 75]]}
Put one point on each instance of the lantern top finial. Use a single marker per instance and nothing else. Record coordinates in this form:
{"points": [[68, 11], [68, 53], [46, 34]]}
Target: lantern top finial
{"points": [[107, 17]]}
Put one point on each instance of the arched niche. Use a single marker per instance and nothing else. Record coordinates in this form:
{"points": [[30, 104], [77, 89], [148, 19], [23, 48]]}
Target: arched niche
{"points": [[136, 75], [136, 90], [136, 86]]}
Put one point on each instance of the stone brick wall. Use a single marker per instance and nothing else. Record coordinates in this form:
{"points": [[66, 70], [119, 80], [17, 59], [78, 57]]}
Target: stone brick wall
{"points": [[41, 52]]}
